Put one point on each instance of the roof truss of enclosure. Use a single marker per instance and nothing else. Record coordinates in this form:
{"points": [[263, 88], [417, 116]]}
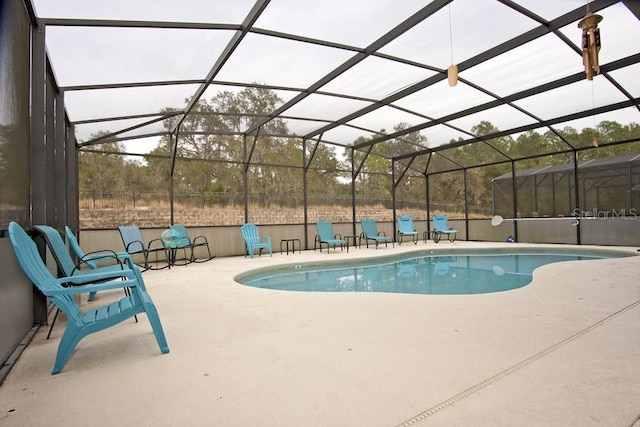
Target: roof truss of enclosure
{"points": [[346, 70]]}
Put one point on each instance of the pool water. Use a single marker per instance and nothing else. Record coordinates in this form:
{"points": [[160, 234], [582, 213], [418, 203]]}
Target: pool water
{"points": [[438, 275]]}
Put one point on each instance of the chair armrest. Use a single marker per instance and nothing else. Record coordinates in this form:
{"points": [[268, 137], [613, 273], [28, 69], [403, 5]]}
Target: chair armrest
{"points": [[151, 247], [123, 255], [382, 233], [97, 276], [85, 260], [93, 256], [105, 254], [131, 243], [204, 240], [124, 258], [92, 287], [267, 239]]}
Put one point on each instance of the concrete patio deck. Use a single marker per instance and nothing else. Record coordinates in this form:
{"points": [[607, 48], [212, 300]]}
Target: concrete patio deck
{"points": [[562, 351]]}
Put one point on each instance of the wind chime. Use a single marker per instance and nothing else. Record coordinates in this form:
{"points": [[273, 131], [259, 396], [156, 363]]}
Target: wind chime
{"points": [[590, 43], [590, 50]]}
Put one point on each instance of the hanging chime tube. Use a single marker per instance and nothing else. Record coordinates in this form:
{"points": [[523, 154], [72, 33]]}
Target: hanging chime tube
{"points": [[590, 44]]}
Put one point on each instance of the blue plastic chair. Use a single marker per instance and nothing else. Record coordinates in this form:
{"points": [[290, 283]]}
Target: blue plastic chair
{"points": [[184, 242], [253, 240], [134, 244], [328, 237], [370, 232], [440, 227], [61, 292], [405, 228]]}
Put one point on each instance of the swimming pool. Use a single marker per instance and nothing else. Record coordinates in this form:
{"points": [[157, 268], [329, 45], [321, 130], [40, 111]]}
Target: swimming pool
{"points": [[422, 273]]}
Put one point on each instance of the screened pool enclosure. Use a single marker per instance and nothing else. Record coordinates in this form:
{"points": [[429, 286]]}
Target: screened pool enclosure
{"points": [[284, 112]]}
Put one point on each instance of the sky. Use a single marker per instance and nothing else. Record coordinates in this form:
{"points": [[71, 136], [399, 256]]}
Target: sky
{"points": [[90, 56]]}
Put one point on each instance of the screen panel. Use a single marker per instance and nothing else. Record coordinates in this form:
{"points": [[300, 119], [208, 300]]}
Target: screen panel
{"points": [[14, 114]]}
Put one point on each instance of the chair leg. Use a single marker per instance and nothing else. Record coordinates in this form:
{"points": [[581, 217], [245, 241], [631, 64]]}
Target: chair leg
{"points": [[127, 292], [174, 256], [154, 319], [193, 255], [167, 259], [146, 261], [72, 335], [53, 322], [187, 260]]}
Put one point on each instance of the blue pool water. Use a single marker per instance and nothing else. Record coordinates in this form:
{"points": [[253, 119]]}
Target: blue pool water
{"points": [[423, 274]]}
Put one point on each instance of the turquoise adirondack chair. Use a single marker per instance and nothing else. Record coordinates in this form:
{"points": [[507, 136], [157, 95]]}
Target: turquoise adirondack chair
{"points": [[405, 228], [440, 227], [134, 244], [61, 292], [253, 240], [370, 232], [328, 237], [184, 242]]}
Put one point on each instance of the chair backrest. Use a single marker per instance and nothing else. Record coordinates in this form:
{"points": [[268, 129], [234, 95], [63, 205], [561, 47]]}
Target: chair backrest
{"points": [[250, 233], [183, 235], [405, 224], [75, 247], [369, 227], [31, 263], [132, 238], [325, 230], [441, 223], [58, 248]]}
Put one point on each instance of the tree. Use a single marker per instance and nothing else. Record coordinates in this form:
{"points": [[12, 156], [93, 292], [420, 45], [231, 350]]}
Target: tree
{"points": [[102, 169], [212, 147]]}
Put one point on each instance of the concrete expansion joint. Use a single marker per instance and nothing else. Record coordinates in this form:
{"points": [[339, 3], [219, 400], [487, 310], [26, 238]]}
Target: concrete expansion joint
{"points": [[485, 383]]}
